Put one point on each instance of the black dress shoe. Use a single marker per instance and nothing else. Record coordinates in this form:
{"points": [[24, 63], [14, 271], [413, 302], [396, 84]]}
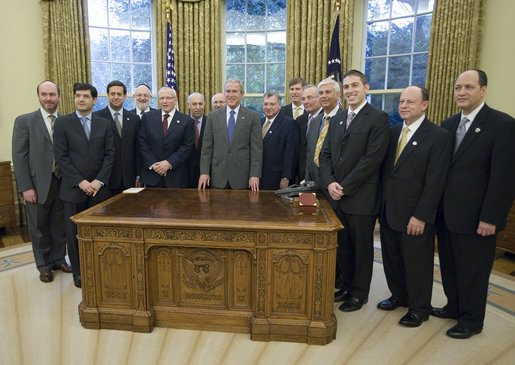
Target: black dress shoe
{"points": [[46, 276], [64, 267], [390, 304], [341, 295], [77, 281], [352, 304], [443, 313], [412, 319], [462, 333]]}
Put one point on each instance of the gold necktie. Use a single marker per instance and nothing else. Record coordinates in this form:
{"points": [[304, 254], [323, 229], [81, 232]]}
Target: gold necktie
{"points": [[296, 112], [402, 143], [266, 126], [320, 141], [117, 123]]}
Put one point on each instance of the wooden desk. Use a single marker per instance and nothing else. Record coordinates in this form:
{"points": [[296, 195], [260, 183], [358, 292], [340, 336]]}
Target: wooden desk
{"points": [[218, 260]]}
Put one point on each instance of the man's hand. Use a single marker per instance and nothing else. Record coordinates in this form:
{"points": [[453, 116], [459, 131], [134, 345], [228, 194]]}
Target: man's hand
{"points": [[254, 183], [284, 183], [162, 167], [485, 229], [415, 227], [95, 186], [30, 196], [203, 181], [335, 190], [85, 186], [137, 184]]}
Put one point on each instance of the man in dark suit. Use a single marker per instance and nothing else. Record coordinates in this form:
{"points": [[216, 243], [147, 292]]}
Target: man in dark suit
{"points": [[232, 148], [412, 185], [350, 164], [477, 197], [196, 103], [142, 98], [312, 109], [39, 181], [167, 140], [125, 126], [85, 153], [280, 145], [295, 109]]}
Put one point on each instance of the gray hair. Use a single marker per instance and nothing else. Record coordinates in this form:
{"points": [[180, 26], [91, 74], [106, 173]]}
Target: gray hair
{"points": [[329, 81]]}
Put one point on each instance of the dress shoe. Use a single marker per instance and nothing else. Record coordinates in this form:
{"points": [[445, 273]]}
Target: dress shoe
{"points": [[443, 313], [77, 281], [462, 333], [46, 276], [390, 304], [64, 267], [341, 295], [412, 319], [352, 304]]}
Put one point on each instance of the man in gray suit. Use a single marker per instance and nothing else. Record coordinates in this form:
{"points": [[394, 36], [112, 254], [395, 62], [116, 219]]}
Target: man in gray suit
{"points": [[232, 148], [39, 181]]}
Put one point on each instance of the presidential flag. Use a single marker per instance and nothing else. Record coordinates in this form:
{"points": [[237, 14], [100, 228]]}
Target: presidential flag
{"points": [[171, 77], [334, 64]]}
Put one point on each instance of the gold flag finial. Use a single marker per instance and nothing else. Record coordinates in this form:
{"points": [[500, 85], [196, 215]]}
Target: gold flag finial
{"points": [[337, 4], [167, 7]]}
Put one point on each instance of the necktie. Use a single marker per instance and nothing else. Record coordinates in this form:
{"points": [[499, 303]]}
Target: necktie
{"points": [[141, 115], [296, 112], [117, 123], [265, 128], [310, 118], [52, 125], [85, 125], [231, 125], [196, 133], [350, 118], [320, 140], [165, 123], [402, 143], [460, 132]]}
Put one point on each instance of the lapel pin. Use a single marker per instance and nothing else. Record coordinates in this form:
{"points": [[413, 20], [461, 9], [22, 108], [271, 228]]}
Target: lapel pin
{"points": [[341, 122], [477, 130], [414, 143], [178, 121]]}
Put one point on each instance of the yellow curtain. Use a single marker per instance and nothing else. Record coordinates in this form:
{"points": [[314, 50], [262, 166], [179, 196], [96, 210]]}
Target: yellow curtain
{"points": [[454, 46], [66, 46], [196, 32], [309, 29]]}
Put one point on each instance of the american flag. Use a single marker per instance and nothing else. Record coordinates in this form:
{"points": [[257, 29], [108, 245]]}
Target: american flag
{"points": [[171, 77], [334, 64]]}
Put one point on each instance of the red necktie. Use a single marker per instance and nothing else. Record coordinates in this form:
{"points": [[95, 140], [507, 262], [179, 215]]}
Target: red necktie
{"points": [[165, 123], [196, 133]]}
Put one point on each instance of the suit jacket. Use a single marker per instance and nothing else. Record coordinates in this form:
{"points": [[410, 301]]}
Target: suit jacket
{"points": [[280, 152], [414, 185], [133, 111], [481, 180], [126, 164], [288, 110], [81, 159], [194, 162], [353, 158], [302, 122], [237, 161], [33, 154], [176, 147]]}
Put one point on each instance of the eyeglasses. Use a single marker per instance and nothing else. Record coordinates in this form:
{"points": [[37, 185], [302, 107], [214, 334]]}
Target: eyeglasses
{"points": [[308, 98], [142, 95]]}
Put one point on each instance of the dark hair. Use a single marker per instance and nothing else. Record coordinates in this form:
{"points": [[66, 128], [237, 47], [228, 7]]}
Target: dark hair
{"points": [[85, 86], [424, 92], [360, 74], [297, 80], [58, 90], [148, 87], [117, 83], [482, 79]]}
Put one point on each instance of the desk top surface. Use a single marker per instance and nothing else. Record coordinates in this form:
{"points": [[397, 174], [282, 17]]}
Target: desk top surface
{"points": [[209, 208]]}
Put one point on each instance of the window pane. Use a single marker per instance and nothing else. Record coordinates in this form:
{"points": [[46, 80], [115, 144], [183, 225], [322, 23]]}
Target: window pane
{"points": [[276, 14], [142, 75], [375, 70], [235, 47], [101, 75], [422, 32], [378, 9], [255, 79], [98, 45], [419, 70], [255, 15], [255, 103], [376, 100], [403, 7], [235, 15], [140, 10], [122, 72], [391, 107], [255, 47], [275, 77], [119, 13], [120, 45], [401, 36], [425, 5], [235, 71], [101, 102], [276, 47], [377, 38], [97, 13], [398, 74], [141, 47]]}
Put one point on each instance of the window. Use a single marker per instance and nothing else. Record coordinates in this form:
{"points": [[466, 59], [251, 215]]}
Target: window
{"points": [[256, 47], [120, 33], [395, 50]]}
